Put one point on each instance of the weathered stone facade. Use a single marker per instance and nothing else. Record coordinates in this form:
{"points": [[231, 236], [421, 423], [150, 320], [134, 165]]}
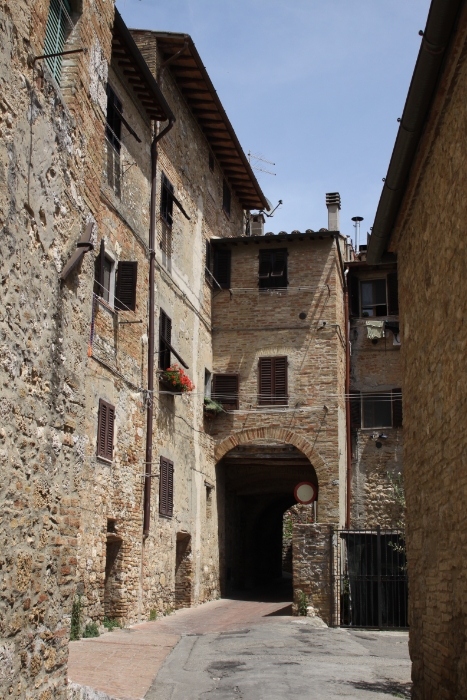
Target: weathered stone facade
{"points": [[431, 249], [50, 154], [313, 571]]}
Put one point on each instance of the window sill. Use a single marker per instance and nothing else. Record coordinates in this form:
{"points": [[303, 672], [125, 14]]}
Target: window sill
{"points": [[106, 305], [104, 459], [166, 517]]}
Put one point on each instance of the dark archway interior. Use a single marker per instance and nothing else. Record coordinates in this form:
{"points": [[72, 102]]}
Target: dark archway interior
{"points": [[255, 487]]}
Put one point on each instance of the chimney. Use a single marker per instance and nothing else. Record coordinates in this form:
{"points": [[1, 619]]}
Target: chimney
{"points": [[333, 203]]}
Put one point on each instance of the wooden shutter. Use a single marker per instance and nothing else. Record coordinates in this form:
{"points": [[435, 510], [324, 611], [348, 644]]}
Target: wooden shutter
{"points": [[222, 265], [125, 296], [279, 263], [55, 34], [105, 430], [393, 295], [166, 487], [225, 391], [354, 295], [272, 381], [397, 408], [355, 409], [99, 271], [165, 340], [167, 191]]}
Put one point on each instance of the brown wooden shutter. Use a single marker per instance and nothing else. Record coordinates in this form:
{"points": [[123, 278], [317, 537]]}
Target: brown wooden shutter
{"points": [[279, 263], [272, 381], [125, 295], [105, 430], [165, 340], [225, 391], [166, 484], [393, 295], [280, 380], [222, 266], [354, 295], [264, 264], [355, 409], [397, 408]]}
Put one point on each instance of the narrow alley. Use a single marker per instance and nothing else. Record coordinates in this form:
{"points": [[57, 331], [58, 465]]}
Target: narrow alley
{"points": [[248, 649]]}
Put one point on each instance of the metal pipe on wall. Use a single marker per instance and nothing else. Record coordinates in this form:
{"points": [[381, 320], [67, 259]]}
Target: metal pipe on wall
{"points": [[347, 401]]}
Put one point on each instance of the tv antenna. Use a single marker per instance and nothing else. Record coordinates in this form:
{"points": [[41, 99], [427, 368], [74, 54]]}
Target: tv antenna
{"points": [[357, 220], [259, 159]]}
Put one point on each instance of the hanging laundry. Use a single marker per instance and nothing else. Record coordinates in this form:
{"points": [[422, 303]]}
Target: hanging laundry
{"points": [[374, 329]]}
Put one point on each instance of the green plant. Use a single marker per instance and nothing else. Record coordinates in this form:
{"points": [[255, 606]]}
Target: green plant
{"points": [[75, 627], [91, 630], [153, 615], [110, 624], [302, 604], [169, 610], [212, 406]]}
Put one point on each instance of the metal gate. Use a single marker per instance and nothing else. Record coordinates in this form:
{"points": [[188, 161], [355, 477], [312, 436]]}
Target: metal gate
{"points": [[370, 576]]}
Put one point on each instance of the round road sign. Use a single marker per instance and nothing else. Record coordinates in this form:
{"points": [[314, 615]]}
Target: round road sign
{"points": [[305, 492]]}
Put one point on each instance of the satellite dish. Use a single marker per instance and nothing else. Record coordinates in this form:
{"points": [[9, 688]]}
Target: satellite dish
{"points": [[269, 207]]}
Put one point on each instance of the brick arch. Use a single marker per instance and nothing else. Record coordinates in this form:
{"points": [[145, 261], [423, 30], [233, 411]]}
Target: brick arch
{"points": [[282, 434]]}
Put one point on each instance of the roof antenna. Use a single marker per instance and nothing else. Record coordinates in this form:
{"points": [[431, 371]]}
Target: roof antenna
{"points": [[258, 159]]}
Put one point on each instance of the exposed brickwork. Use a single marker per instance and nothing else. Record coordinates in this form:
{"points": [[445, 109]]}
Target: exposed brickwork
{"points": [[430, 243], [49, 182]]}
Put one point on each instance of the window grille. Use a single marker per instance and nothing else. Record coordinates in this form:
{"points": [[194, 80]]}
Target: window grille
{"points": [[59, 25]]}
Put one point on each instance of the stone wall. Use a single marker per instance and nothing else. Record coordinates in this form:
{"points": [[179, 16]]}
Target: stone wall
{"points": [[312, 551], [50, 162], [431, 247]]}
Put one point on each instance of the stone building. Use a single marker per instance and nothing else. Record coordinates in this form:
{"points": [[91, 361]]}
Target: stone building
{"points": [[375, 395], [421, 219], [51, 153]]}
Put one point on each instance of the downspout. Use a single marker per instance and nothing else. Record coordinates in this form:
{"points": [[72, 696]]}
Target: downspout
{"points": [[150, 393], [347, 400]]}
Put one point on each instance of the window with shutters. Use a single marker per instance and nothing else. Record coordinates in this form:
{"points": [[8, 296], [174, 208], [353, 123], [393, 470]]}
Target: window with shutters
{"points": [[272, 271], [225, 391], [166, 487], [272, 381], [59, 26], [226, 198], [167, 201], [222, 267], [113, 134], [165, 340], [376, 409], [105, 430], [125, 295], [372, 298], [104, 276]]}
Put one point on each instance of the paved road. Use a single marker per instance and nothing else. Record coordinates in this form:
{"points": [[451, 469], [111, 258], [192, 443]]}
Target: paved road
{"points": [[243, 650]]}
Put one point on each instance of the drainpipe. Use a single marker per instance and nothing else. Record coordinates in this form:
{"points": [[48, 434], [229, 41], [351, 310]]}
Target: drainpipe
{"points": [[150, 398], [347, 399]]}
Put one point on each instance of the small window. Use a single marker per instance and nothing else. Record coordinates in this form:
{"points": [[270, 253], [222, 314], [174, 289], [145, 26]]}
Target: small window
{"points": [[166, 487], [165, 340], [211, 162], [373, 297], [272, 381], [376, 409], [105, 430], [59, 26], [226, 198], [222, 265], [225, 391], [272, 271], [104, 276], [167, 193], [113, 124]]}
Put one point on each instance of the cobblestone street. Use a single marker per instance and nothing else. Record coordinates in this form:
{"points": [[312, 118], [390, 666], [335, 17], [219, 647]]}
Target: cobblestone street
{"points": [[242, 649]]}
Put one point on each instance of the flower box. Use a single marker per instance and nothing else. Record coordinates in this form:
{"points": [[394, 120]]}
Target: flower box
{"points": [[175, 380]]}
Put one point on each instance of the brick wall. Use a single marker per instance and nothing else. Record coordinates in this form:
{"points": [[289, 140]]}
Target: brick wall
{"points": [[430, 244]]}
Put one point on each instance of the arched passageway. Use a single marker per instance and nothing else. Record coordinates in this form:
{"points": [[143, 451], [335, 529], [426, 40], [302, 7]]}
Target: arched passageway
{"points": [[255, 486]]}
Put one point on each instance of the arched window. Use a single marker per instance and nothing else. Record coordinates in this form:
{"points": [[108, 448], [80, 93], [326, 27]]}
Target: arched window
{"points": [[59, 26]]}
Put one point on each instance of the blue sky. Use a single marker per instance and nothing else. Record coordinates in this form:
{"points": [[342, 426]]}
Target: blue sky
{"points": [[315, 87]]}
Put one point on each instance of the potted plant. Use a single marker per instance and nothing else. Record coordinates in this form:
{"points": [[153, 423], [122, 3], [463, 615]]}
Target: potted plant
{"points": [[175, 380], [212, 408]]}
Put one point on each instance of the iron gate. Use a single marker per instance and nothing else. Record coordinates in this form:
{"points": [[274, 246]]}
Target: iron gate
{"points": [[371, 587]]}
